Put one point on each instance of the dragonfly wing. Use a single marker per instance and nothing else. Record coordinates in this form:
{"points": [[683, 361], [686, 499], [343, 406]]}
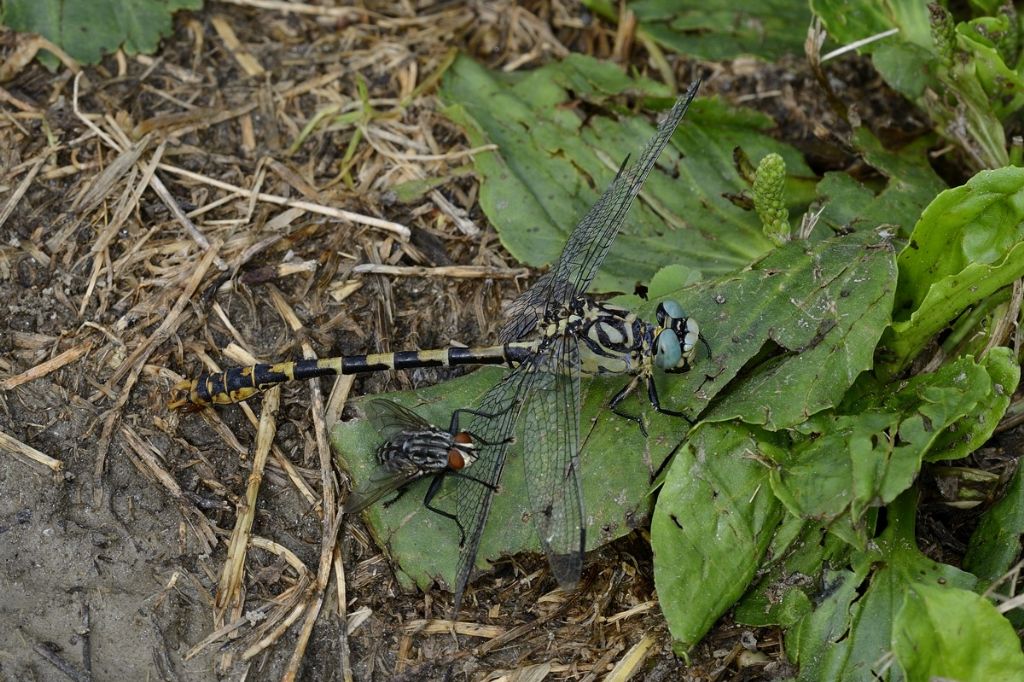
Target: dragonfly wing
{"points": [[593, 235], [526, 312], [551, 456], [473, 502]]}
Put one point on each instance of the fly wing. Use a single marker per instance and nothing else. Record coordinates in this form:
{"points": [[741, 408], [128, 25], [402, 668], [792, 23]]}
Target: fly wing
{"points": [[593, 235], [391, 419], [383, 484], [551, 424]]}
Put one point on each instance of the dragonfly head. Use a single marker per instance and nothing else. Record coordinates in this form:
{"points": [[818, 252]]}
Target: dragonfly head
{"points": [[675, 339], [462, 453]]}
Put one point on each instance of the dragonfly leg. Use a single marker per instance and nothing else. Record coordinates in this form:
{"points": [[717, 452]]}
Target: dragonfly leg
{"points": [[622, 395], [652, 394], [435, 487]]}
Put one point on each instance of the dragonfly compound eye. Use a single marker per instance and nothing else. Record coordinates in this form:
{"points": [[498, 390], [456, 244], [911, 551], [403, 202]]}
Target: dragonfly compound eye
{"points": [[668, 354], [691, 337], [669, 312]]}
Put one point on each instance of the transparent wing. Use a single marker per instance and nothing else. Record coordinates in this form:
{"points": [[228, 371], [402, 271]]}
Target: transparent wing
{"points": [[551, 442], [593, 235], [473, 502], [380, 485], [527, 310], [391, 419]]}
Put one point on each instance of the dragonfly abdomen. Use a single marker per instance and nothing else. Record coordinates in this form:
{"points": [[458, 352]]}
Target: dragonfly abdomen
{"points": [[241, 383]]}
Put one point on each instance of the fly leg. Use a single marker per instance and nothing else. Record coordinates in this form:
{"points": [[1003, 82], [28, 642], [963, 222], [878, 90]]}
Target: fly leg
{"points": [[435, 487], [454, 426], [492, 488], [398, 495]]}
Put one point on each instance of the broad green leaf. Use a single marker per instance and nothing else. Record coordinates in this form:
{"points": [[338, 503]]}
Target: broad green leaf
{"points": [[905, 60], [822, 307], [968, 244], [552, 164], [88, 30], [910, 186], [951, 634], [954, 72], [714, 519], [795, 560], [848, 634], [907, 67], [617, 462], [849, 463], [967, 435], [820, 641], [717, 29], [851, 20], [996, 542]]}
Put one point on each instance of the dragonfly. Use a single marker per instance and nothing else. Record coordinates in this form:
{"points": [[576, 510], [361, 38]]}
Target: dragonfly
{"points": [[412, 449], [554, 334], [577, 337], [617, 346]]}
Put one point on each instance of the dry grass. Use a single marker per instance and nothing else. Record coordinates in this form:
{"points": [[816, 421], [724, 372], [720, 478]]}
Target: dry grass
{"points": [[230, 198]]}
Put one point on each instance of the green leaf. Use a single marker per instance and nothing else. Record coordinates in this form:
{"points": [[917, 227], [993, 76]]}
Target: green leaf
{"points": [[824, 306], [848, 634], [850, 463], [946, 633], [996, 542], [968, 244], [617, 463], [911, 185], [88, 30], [983, 39], [968, 434], [717, 29], [851, 20], [712, 523], [796, 557], [552, 164]]}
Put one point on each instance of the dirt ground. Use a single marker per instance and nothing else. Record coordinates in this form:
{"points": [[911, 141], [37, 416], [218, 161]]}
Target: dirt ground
{"points": [[110, 566]]}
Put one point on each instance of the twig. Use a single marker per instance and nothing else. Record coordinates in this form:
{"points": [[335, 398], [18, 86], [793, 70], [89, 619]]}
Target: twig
{"points": [[329, 211], [286, 7], [44, 368], [453, 271], [630, 663], [22, 451], [231, 578], [18, 193]]}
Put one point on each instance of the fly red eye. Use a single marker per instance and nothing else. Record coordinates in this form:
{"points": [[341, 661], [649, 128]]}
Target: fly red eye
{"points": [[462, 438], [455, 460]]}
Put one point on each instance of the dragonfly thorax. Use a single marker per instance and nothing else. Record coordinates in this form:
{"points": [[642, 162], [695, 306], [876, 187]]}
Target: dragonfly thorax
{"points": [[613, 340]]}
